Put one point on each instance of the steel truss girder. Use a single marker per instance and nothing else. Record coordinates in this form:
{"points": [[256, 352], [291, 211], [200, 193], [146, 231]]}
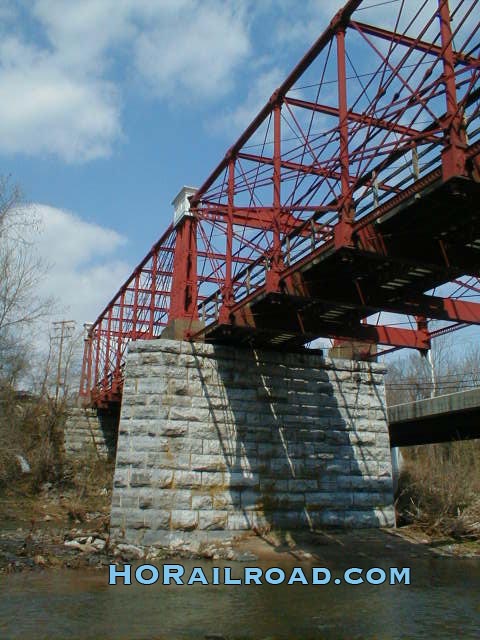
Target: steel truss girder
{"points": [[172, 280], [412, 43], [365, 119], [251, 218]]}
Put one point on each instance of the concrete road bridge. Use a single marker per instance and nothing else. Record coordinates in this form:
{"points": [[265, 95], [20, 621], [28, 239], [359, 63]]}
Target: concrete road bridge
{"points": [[454, 416]]}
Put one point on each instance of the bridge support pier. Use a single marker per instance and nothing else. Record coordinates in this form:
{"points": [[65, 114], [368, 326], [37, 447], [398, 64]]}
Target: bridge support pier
{"points": [[215, 441]]}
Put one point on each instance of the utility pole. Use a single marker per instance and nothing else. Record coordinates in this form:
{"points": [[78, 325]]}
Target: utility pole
{"points": [[62, 329], [433, 376]]}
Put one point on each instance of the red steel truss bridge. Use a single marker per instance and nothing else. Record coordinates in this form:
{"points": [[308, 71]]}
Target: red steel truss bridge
{"points": [[348, 208]]}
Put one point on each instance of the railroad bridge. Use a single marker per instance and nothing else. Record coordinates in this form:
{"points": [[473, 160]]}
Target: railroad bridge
{"points": [[348, 209]]}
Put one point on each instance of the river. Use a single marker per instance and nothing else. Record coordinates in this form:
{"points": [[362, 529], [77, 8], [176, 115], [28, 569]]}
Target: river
{"points": [[442, 601]]}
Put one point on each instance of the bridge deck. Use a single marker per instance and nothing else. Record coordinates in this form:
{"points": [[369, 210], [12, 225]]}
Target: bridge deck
{"points": [[427, 240]]}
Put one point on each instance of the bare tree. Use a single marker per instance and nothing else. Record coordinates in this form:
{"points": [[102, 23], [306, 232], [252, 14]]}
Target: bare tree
{"points": [[449, 368], [21, 271]]}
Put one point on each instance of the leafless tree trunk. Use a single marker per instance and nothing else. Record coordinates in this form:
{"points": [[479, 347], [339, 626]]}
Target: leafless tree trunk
{"points": [[21, 271]]}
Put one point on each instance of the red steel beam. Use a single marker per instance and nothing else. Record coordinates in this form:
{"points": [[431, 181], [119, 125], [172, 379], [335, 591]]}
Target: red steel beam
{"points": [[216, 206], [277, 259], [376, 334], [346, 214], [301, 168], [462, 310], [453, 156], [227, 292], [435, 307], [419, 45], [393, 336], [260, 219], [293, 166], [361, 118]]}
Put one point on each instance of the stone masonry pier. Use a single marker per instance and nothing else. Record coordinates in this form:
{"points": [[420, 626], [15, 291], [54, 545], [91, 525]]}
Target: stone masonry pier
{"points": [[214, 441], [90, 432]]}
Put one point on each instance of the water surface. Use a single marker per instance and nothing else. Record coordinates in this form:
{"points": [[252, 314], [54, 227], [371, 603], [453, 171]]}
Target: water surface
{"points": [[442, 602]]}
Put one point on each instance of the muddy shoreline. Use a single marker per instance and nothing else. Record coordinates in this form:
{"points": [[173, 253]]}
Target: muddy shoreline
{"points": [[79, 548], [52, 530]]}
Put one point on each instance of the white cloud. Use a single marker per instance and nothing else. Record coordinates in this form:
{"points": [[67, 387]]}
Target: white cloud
{"points": [[85, 32], [61, 92], [44, 109], [85, 268], [193, 53]]}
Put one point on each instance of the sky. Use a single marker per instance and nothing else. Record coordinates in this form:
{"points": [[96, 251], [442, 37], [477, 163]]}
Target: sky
{"points": [[108, 107]]}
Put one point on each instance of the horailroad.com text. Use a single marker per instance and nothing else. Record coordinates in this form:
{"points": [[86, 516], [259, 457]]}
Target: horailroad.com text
{"points": [[176, 574]]}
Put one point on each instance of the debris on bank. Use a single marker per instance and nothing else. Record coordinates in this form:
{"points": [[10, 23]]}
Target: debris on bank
{"points": [[22, 550]]}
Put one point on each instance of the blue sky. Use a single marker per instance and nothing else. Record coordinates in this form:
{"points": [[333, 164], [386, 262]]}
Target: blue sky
{"points": [[107, 107]]}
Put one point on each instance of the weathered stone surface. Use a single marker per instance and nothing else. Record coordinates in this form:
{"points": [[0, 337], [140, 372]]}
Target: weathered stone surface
{"points": [[185, 520], [90, 431], [215, 441]]}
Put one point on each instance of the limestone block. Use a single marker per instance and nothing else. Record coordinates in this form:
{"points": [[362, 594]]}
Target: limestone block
{"points": [[161, 478], [184, 520], [237, 479], [372, 499], [175, 429], [208, 463], [208, 520], [145, 501], [251, 499], [329, 499], [188, 479], [140, 479], [203, 501], [161, 520], [238, 522], [173, 499]]}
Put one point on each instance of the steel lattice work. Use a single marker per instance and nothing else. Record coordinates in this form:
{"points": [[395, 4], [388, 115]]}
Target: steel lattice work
{"points": [[347, 209]]}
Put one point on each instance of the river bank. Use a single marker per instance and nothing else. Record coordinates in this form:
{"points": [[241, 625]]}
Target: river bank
{"points": [[66, 524], [55, 545]]}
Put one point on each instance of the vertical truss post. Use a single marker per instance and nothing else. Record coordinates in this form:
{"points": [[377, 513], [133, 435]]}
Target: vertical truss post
{"points": [[117, 372], [183, 300], [276, 262], [135, 305], [227, 291], [97, 354], [343, 230], [106, 364], [153, 290], [86, 377], [453, 154], [422, 330]]}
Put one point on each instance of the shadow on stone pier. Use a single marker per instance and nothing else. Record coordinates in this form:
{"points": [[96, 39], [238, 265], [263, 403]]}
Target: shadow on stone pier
{"points": [[215, 441]]}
